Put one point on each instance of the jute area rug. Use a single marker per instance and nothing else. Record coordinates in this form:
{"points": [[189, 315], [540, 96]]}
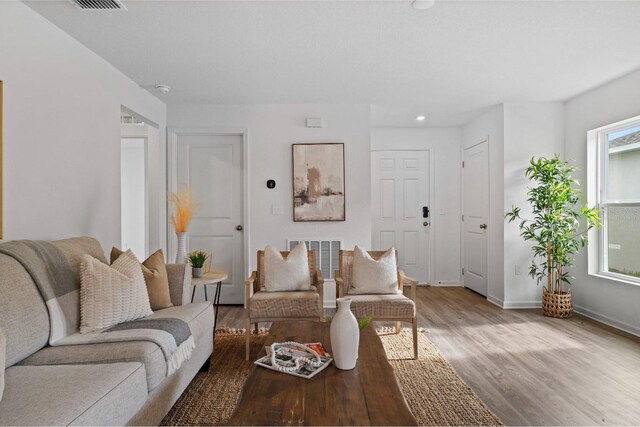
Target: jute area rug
{"points": [[435, 393]]}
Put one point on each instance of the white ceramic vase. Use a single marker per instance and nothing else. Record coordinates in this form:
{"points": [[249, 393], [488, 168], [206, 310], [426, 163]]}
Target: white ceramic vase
{"points": [[345, 336], [181, 253]]}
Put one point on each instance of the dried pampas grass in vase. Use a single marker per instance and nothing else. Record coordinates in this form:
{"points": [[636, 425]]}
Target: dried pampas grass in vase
{"points": [[183, 207]]}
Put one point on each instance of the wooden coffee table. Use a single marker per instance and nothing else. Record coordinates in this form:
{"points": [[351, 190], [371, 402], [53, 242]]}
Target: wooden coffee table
{"points": [[366, 395]]}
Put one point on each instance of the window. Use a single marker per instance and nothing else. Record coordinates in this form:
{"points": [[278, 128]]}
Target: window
{"points": [[617, 193]]}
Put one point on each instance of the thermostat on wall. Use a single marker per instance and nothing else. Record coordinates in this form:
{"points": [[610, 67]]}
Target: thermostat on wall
{"points": [[314, 122]]}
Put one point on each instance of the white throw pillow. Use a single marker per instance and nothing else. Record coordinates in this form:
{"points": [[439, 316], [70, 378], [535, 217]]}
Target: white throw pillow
{"points": [[111, 294], [291, 274], [374, 277]]}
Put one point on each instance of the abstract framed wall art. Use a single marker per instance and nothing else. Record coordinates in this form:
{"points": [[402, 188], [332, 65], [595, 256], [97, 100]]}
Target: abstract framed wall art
{"points": [[318, 182]]}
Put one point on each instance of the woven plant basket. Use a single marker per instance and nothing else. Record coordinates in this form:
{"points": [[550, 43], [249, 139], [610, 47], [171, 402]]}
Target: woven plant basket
{"points": [[557, 305]]}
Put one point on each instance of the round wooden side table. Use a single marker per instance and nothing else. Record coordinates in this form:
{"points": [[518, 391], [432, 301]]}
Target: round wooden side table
{"points": [[214, 277]]}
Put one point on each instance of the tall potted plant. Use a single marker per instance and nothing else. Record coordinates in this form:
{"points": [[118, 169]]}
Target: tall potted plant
{"points": [[554, 229]]}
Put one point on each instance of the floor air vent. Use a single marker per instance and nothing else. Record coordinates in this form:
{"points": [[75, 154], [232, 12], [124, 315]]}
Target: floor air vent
{"points": [[99, 4], [327, 254]]}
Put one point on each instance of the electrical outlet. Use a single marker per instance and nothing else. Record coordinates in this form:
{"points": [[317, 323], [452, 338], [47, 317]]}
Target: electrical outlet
{"points": [[276, 210], [518, 271]]}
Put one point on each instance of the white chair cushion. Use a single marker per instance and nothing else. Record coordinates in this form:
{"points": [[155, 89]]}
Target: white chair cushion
{"points": [[291, 274], [111, 294], [372, 276]]}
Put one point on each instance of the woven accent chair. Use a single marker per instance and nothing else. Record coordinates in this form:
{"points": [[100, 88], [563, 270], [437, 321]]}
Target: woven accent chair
{"points": [[380, 307], [261, 306]]}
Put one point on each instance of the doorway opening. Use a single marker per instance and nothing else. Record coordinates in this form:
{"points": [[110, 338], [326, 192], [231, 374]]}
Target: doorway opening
{"points": [[135, 137]]}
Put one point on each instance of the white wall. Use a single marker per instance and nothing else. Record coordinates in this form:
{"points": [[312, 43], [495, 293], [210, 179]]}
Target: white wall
{"points": [[532, 129], [490, 125], [272, 129], [62, 132], [607, 300], [444, 145]]}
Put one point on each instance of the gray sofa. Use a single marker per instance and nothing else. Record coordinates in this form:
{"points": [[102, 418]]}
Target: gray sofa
{"points": [[92, 384]]}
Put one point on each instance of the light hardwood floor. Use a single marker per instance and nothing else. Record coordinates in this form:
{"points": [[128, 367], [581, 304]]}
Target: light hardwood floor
{"points": [[527, 368]]}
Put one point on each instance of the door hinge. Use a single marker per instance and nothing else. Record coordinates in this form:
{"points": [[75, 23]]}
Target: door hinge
{"points": [[462, 217], [463, 271], [463, 163]]}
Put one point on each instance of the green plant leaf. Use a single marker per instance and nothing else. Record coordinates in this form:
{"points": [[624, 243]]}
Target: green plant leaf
{"points": [[363, 323], [198, 258]]}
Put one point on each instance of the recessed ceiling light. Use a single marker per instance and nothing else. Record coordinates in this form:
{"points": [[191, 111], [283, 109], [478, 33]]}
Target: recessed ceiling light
{"points": [[422, 4], [420, 118], [163, 88]]}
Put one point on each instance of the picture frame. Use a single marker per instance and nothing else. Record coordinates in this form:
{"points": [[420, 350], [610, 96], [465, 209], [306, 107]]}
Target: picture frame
{"points": [[318, 182]]}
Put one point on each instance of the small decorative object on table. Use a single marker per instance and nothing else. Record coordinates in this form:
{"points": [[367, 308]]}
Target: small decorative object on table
{"points": [[197, 260], [345, 336], [301, 360], [183, 206]]}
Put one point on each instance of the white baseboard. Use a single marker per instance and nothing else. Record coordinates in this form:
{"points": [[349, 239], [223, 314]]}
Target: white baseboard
{"points": [[521, 304], [495, 301], [633, 330], [447, 283]]}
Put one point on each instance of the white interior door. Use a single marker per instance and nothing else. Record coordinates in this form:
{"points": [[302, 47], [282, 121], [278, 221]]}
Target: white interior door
{"points": [[475, 215], [211, 166], [400, 190]]}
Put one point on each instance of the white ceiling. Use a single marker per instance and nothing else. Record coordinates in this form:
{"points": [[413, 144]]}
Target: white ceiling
{"points": [[446, 62]]}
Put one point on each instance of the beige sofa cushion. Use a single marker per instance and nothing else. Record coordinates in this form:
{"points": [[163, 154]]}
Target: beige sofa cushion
{"points": [[23, 314], [285, 304], [155, 275], [392, 306], [73, 394], [75, 247], [199, 317], [145, 352]]}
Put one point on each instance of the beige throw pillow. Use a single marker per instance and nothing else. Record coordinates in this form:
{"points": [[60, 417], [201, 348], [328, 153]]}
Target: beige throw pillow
{"points": [[155, 275], [370, 276], [291, 274], [111, 294], [3, 351]]}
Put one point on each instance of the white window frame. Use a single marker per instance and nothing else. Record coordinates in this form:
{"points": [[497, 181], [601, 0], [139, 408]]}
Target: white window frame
{"points": [[598, 163]]}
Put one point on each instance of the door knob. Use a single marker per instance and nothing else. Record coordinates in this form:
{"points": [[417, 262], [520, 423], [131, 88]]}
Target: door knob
{"points": [[239, 227], [483, 226]]}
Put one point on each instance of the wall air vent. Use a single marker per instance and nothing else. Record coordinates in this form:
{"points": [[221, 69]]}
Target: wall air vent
{"points": [[99, 4], [327, 254], [128, 119]]}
